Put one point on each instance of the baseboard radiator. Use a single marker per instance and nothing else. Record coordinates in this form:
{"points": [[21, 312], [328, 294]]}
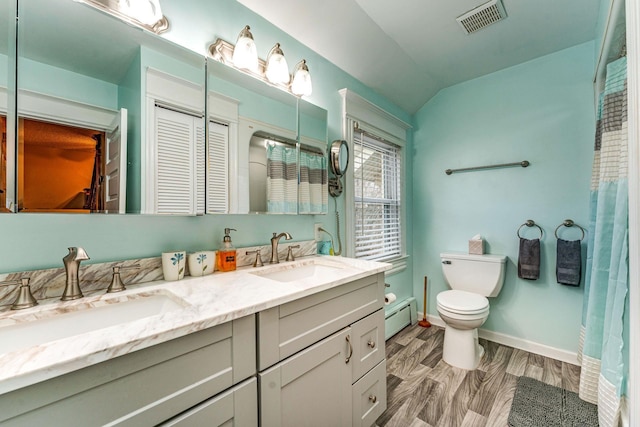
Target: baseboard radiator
{"points": [[399, 316]]}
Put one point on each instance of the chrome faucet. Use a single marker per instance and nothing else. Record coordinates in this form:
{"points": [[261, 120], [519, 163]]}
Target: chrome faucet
{"points": [[72, 266], [274, 246]]}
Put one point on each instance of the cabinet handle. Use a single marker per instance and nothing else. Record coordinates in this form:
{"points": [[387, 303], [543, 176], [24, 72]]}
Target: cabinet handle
{"points": [[371, 344], [350, 349], [373, 399]]}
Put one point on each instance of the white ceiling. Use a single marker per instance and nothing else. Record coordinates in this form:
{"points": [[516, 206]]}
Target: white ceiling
{"points": [[407, 50]]}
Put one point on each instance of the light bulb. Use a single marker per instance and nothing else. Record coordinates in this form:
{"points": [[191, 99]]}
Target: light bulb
{"points": [[245, 54], [301, 84], [277, 71]]}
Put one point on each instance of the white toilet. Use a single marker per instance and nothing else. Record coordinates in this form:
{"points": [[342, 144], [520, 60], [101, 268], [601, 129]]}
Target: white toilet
{"points": [[465, 307]]}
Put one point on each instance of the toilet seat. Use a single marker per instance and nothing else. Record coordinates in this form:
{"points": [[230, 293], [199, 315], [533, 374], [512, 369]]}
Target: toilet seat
{"points": [[462, 302]]}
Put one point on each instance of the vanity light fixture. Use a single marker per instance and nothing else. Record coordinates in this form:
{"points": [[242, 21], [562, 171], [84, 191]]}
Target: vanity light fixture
{"points": [[245, 54], [276, 70], [224, 52], [146, 14], [301, 84]]}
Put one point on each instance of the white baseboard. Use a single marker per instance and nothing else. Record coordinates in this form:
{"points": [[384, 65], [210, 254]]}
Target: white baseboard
{"points": [[522, 344]]}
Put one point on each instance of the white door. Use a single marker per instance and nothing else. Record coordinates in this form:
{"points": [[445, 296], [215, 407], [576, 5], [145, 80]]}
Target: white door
{"points": [[116, 164]]}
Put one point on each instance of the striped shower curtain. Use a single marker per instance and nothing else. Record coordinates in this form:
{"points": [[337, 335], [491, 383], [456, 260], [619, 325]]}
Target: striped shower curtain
{"points": [[282, 179], [604, 374], [313, 190]]}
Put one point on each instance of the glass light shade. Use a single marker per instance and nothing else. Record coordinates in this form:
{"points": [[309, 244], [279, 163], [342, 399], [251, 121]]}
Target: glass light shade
{"points": [[146, 11], [277, 70], [245, 54], [301, 84]]}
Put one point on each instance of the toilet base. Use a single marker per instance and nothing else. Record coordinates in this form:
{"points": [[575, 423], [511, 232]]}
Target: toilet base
{"points": [[461, 348]]}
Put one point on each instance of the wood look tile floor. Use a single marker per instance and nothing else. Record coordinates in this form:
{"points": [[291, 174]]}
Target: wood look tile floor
{"points": [[424, 391]]}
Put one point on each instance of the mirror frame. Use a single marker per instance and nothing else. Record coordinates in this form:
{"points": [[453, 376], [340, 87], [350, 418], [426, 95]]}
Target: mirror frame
{"points": [[339, 150]]}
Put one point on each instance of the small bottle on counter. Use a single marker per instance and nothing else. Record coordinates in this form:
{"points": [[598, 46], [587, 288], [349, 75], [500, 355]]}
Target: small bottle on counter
{"points": [[226, 255]]}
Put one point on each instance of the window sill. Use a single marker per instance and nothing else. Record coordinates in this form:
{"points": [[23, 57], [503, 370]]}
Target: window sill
{"points": [[399, 264]]}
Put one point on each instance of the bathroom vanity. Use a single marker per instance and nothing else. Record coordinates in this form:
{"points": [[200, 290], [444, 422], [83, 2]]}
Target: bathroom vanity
{"points": [[277, 345]]}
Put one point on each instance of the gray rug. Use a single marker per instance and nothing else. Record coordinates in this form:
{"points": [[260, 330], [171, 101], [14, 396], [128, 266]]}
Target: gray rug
{"points": [[536, 404]]}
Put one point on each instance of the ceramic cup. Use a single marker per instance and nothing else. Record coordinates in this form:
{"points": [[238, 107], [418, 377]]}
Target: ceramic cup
{"points": [[201, 263], [173, 265]]}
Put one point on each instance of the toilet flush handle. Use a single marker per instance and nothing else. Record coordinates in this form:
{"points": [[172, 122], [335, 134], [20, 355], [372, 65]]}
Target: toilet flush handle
{"points": [[446, 262]]}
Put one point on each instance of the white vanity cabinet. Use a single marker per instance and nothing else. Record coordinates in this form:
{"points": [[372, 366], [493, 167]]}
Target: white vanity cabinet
{"points": [[321, 358], [150, 386]]}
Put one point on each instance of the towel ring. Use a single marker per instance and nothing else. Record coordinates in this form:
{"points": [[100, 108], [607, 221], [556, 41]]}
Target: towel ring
{"points": [[568, 223], [529, 223]]}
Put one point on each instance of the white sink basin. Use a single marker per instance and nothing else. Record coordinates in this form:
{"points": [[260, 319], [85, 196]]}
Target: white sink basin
{"points": [[299, 271], [54, 324]]}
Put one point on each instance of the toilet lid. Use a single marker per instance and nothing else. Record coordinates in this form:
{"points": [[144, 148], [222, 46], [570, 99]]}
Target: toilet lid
{"points": [[462, 301]]}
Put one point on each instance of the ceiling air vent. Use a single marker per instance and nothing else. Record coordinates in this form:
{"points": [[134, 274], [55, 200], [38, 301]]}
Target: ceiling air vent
{"points": [[482, 16]]}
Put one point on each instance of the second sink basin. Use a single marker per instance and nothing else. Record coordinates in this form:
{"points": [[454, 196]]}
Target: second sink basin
{"points": [[66, 321], [311, 269]]}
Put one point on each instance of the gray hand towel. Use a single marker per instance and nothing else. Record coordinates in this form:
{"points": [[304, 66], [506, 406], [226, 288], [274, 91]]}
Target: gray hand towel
{"points": [[529, 259], [568, 262]]}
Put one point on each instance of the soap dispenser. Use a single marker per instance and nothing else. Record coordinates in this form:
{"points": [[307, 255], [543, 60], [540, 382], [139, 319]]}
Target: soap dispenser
{"points": [[226, 256]]}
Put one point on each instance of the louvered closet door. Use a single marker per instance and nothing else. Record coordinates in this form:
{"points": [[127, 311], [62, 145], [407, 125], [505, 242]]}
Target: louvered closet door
{"points": [[218, 171], [201, 165], [176, 184]]}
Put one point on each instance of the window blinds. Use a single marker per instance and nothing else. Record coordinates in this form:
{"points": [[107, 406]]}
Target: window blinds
{"points": [[377, 173]]}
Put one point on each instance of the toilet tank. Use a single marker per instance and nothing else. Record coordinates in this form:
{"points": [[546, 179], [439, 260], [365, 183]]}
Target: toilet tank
{"points": [[480, 274]]}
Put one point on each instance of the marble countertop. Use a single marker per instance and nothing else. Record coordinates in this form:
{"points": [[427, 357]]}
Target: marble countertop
{"points": [[202, 302]]}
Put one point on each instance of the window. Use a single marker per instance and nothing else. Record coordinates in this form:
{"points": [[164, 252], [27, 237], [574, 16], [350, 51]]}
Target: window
{"points": [[374, 182], [377, 196]]}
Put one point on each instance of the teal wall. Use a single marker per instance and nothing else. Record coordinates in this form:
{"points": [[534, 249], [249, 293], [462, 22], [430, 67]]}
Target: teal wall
{"points": [[40, 240], [54, 81], [541, 111]]}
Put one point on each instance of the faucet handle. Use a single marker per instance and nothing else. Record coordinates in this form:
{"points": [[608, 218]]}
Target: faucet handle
{"points": [[116, 282], [25, 298], [290, 256], [258, 262]]}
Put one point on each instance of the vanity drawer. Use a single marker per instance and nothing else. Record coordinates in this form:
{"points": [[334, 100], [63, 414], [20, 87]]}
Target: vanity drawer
{"points": [[367, 337], [291, 327], [238, 407], [141, 388], [369, 396]]}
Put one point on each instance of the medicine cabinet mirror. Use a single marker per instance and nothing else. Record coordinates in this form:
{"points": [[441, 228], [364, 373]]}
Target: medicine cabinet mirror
{"points": [[84, 108], [276, 144]]}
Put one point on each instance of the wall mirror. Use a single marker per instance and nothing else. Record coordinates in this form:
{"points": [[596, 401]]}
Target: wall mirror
{"points": [[276, 144], [85, 111]]}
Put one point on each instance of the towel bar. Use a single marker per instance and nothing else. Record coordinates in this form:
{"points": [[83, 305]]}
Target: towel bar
{"points": [[523, 163], [568, 223]]}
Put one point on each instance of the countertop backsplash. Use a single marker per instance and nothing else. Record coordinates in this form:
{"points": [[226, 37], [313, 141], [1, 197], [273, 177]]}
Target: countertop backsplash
{"points": [[50, 283]]}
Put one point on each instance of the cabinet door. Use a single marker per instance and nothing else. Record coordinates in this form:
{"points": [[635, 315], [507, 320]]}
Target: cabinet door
{"points": [[237, 407], [368, 343], [311, 388]]}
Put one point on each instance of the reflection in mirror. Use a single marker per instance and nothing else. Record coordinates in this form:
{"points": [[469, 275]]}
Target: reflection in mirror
{"points": [[58, 160], [244, 109], [81, 68], [7, 78], [242, 106], [273, 174]]}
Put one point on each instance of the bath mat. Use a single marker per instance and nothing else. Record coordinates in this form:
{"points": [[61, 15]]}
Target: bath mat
{"points": [[536, 404]]}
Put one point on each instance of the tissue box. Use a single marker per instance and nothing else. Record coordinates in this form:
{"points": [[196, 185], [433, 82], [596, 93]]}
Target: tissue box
{"points": [[476, 247]]}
